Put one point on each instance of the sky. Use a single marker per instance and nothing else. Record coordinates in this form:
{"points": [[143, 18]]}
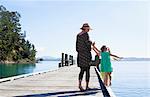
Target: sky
{"points": [[52, 25]]}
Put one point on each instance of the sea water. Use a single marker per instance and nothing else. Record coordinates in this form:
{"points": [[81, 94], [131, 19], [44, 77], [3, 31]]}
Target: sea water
{"points": [[131, 78], [9, 70]]}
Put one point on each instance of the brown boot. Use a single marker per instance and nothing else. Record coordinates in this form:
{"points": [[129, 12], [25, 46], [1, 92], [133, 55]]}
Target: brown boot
{"points": [[87, 86], [80, 86]]}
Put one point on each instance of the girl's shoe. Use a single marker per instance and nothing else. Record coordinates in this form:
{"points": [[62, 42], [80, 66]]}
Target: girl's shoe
{"points": [[81, 89]]}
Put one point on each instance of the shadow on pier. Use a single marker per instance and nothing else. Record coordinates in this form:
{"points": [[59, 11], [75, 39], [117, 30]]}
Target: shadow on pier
{"points": [[66, 93]]}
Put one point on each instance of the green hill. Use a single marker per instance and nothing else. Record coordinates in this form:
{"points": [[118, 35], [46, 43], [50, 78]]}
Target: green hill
{"points": [[13, 46]]}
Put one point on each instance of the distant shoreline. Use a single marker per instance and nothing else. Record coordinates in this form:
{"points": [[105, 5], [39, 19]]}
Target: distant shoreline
{"points": [[25, 61], [135, 59]]}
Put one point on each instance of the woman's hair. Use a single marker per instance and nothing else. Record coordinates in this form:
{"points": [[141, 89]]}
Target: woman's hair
{"points": [[82, 29], [103, 47]]}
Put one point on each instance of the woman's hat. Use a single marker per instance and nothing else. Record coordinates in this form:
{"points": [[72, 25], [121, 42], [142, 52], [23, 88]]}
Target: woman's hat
{"points": [[86, 25]]}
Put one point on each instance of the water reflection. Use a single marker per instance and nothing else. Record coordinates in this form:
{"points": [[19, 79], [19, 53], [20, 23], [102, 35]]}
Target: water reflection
{"points": [[7, 70]]}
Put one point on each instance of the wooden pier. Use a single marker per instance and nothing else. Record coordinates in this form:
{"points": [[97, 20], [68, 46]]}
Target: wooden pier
{"points": [[61, 82]]}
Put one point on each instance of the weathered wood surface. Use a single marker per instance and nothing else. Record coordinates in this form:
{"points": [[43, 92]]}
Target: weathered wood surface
{"points": [[60, 82]]}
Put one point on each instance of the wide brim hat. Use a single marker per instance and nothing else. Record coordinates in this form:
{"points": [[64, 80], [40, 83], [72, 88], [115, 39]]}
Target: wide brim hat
{"points": [[85, 25]]}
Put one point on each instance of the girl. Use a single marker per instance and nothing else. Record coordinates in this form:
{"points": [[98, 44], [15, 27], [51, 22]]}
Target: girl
{"points": [[105, 67]]}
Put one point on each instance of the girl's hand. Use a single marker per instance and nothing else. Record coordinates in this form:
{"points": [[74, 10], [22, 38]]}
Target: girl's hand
{"points": [[120, 57]]}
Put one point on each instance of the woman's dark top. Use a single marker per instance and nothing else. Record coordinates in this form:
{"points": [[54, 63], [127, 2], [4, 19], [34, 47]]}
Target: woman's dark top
{"points": [[83, 47]]}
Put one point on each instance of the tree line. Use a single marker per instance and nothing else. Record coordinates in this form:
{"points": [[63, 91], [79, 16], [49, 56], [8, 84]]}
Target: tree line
{"points": [[13, 46]]}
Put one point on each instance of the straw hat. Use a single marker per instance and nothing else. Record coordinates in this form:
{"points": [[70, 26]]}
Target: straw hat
{"points": [[85, 25]]}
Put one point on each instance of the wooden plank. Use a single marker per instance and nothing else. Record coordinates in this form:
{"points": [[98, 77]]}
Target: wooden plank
{"points": [[60, 82]]}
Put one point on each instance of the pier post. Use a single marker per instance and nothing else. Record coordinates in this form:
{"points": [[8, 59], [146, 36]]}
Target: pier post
{"points": [[66, 59], [59, 65], [62, 60], [71, 60]]}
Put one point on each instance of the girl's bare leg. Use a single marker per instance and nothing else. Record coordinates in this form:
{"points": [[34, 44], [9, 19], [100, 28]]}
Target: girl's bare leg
{"points": [[109, 79], [105, 79]]}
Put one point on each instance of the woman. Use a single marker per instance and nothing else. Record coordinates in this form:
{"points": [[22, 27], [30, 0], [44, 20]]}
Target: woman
{"points": [[83, 48]]}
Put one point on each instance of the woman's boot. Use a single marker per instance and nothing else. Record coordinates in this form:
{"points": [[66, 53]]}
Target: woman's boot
{"points": [[80, 86]]}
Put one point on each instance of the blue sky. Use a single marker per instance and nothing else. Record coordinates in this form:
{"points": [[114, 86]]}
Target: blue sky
{"points": [[122, 25]]}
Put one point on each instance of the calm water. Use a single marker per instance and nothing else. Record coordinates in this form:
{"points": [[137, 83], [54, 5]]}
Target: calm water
{"points": [[7, 70], [131, 78]]}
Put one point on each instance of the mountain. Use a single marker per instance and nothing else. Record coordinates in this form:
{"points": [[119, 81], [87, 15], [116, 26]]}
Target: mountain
{"points": [[135, 59], [48, 58]]}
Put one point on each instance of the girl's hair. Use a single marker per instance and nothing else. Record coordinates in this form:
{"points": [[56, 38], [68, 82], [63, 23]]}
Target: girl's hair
{"points": [[103, 47]]}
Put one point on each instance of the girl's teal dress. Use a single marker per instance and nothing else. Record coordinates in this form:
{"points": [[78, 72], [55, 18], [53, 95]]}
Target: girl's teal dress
{"points": [[105, 62]]}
